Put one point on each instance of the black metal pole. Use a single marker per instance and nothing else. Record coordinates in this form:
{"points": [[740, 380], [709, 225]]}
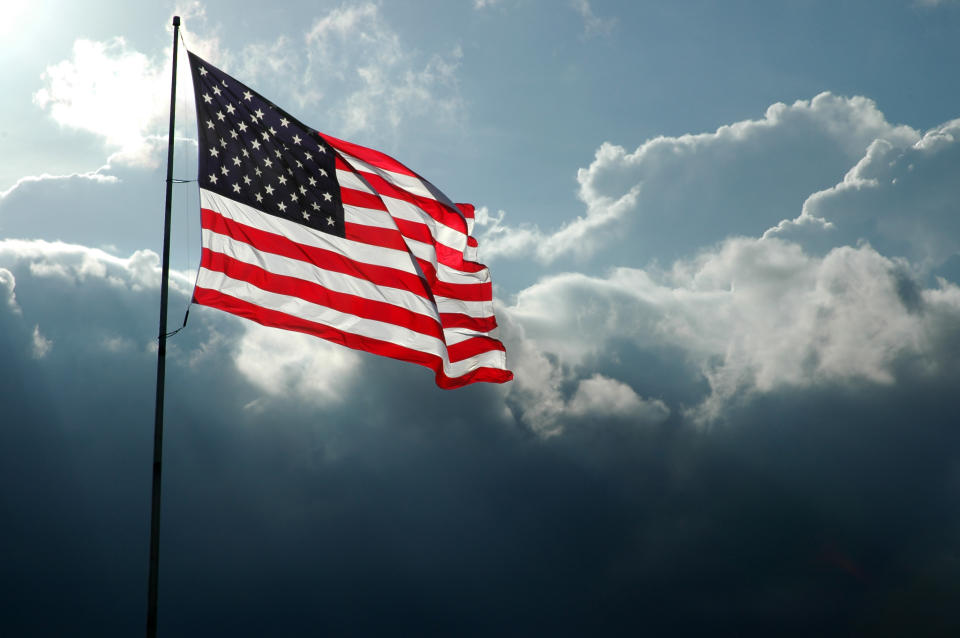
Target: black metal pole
{"points": [[161, 364]]}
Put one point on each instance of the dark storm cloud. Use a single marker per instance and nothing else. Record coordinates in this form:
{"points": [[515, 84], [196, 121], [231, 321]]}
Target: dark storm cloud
{"points": [[409, 510]]}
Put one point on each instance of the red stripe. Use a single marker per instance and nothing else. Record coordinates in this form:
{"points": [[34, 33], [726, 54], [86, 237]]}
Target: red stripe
{"points": [[437, 210], [319, 257], [336, 262], [276, 319], [484, 294], [457, 320], [320, 295], [375, 236], [463, 292], [472, 347], [414, 230], [378, 159], [361, 199], [417, 231]]}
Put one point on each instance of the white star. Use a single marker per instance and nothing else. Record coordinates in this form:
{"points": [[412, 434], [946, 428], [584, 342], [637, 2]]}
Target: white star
{"points": [[209, 123], [282, 180], [245, 152], [299, 165], [255, 144], [216, 90], [303, 191], [247, 95], [242, 127], [327, 197], [207, 98], [267, 162], [284, 121], [234, 134], [312, 181], [213, 151], [224, 170], [282, 207], [236, 188], [259, 197], [277, 152], [213, 178], [223, 142], [297, 140], [236, 161], [220, 115], [258, 113], [305, 214], [246, 180], [230, 109], [265, 136], [223, 82], [269, 189], [329, 221], [308, 155], [322, 149], [315, 206], [203, 71], [258, 171], [323, 172], [293, 197], [272, 130]]}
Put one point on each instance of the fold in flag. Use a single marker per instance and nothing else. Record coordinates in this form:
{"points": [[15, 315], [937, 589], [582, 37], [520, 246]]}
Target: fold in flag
{"points": [[306, 232]]}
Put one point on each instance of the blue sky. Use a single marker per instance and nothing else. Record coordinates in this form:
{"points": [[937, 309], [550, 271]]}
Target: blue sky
{"points": [[726, 250]]}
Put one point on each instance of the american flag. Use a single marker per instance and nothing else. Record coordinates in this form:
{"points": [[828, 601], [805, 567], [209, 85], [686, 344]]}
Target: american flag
{"points": [[307, 232]]}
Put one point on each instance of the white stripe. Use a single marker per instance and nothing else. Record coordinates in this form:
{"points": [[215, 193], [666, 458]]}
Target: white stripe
{"points": [[349, 179], [406, 211], [421, 250], [305, 271], [456, 335], [357, 251], [368, 217], [479, 309], [452, 275], [294, 306], [446, 273], [409, 183], [439, 231]]}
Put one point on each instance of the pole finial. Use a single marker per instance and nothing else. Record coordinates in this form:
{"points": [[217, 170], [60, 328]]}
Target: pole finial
{"points": [[176, 21]]}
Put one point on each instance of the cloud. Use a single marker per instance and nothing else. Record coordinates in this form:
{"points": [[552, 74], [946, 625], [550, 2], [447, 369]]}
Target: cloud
{"points": [[593, 25], [349, 478], [295, 366], [95, 176], [114, 92], [373, 77], [670, 196], [388, 498], [599, 396], [900, 196], [7, 285], [751, 317], [41, 345]]}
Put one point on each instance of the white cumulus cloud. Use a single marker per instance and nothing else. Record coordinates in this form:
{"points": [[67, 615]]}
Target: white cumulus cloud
{"points": [[674, 195]]}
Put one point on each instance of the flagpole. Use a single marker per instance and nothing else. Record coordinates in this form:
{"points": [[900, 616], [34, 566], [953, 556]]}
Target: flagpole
{"points": [[161, 363]]}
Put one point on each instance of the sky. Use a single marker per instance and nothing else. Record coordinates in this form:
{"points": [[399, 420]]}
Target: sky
{"points": [[725, 244]]}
